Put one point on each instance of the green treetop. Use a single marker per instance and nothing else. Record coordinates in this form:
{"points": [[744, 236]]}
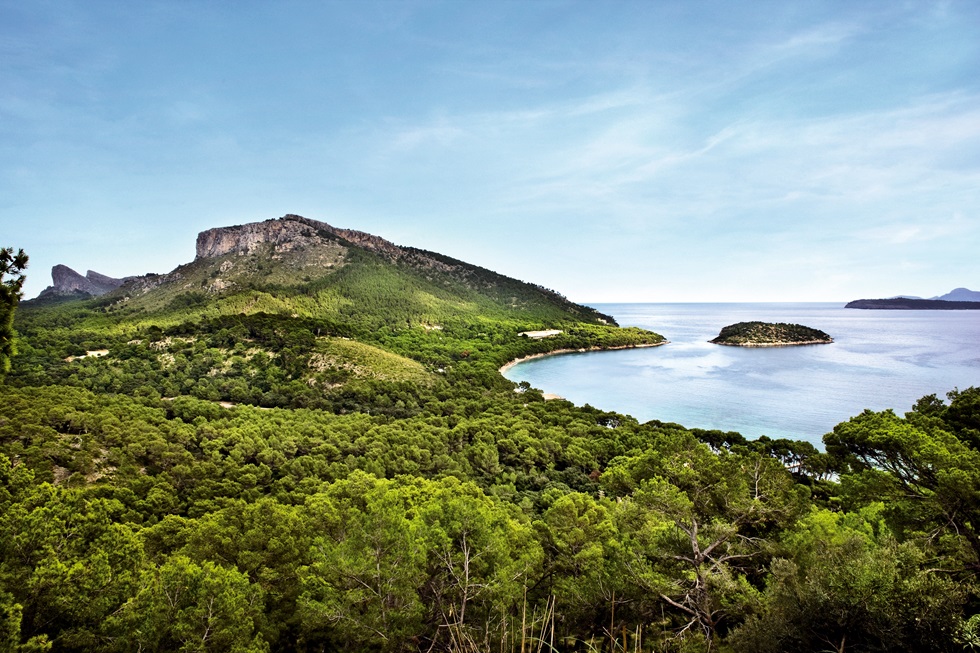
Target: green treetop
{"points": [[11, 282]]}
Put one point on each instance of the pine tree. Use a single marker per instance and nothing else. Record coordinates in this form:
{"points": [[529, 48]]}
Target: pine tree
{"points": [[11, 282]]}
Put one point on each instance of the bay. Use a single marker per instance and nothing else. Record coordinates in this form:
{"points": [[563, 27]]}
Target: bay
{"points": [[879, 360]]}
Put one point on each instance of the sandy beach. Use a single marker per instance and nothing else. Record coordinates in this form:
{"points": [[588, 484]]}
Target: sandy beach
{"points": [[558, 352]]}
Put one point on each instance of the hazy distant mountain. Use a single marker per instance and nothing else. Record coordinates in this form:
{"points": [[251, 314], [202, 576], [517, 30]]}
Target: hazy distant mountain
{"points": [[902, 303], [955, 300], [960, 295]]}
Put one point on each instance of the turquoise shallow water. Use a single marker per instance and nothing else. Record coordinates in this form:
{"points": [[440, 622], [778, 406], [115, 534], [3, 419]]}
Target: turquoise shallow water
{"points": [[879, 360]]}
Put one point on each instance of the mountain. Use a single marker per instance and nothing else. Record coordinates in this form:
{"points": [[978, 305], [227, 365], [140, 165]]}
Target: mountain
{"points": [[300, 266], [960, 295], [295, 312], [66, 281]]}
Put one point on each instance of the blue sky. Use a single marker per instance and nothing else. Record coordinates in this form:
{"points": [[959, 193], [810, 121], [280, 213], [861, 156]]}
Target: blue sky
{"points": [[614, 151]]}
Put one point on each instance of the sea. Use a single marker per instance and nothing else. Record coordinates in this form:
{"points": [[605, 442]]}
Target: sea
{"points": [[880, 359]]}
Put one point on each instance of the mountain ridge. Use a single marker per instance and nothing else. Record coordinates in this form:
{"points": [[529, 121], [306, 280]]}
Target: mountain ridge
{"points": [[303, 266]]}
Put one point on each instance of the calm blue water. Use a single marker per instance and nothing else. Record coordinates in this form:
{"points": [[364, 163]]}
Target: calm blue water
{"points": [[880, 359]]}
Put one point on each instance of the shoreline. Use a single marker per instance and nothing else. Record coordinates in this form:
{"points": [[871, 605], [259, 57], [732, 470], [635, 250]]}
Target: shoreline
{"points": [[773, 344], [557, 352]]}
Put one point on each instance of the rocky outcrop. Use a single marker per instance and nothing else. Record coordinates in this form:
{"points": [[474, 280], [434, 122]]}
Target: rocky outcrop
{"points": [[284, 234], [65, 281], [103, 281]]}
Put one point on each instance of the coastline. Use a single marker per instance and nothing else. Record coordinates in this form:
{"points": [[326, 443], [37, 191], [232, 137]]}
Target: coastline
{"points": [[517, 361], [773, 344]]}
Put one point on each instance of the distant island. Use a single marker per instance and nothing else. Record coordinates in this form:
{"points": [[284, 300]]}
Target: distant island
{"points": [[768, 334], [958, 299], [908, 304]]}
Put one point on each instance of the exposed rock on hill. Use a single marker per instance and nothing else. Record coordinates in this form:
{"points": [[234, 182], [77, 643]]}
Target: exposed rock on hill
{"points": [[765, 334], [66, 281], [292, 237], [287, 233], [294, 232], [305, 268]]}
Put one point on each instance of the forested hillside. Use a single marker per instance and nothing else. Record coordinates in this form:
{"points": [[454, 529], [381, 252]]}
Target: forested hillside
{"points": [[318, 453]]}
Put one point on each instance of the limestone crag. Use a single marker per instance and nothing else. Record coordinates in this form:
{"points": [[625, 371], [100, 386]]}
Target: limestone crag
{"points": [[285, 234], [66, 281], [103, 280], [292, 232]]}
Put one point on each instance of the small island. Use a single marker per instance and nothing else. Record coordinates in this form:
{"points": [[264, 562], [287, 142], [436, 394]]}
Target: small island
{"points": [[767, 334]]}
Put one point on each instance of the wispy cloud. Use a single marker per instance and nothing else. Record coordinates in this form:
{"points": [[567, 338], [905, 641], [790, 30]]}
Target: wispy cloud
{"points": [[435, 135], [901, 233], [821, 39], [645, 162]]}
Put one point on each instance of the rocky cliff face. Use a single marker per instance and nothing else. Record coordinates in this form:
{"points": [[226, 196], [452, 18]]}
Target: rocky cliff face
{"points": [[283, 234], [66, 281], [287, 233]]}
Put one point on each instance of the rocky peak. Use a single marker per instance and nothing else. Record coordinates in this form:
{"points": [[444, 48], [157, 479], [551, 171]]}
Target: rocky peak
{"points": [[66, 281], [284, 234]]}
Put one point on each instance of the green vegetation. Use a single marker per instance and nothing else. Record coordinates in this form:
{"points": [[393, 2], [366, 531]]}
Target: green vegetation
{"points": [[11, 281], [766, 334], [337, 465]]}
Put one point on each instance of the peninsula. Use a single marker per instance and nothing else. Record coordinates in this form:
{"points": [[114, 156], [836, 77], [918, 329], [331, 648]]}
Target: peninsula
{"points": [[767, 334], [909, 304]]}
